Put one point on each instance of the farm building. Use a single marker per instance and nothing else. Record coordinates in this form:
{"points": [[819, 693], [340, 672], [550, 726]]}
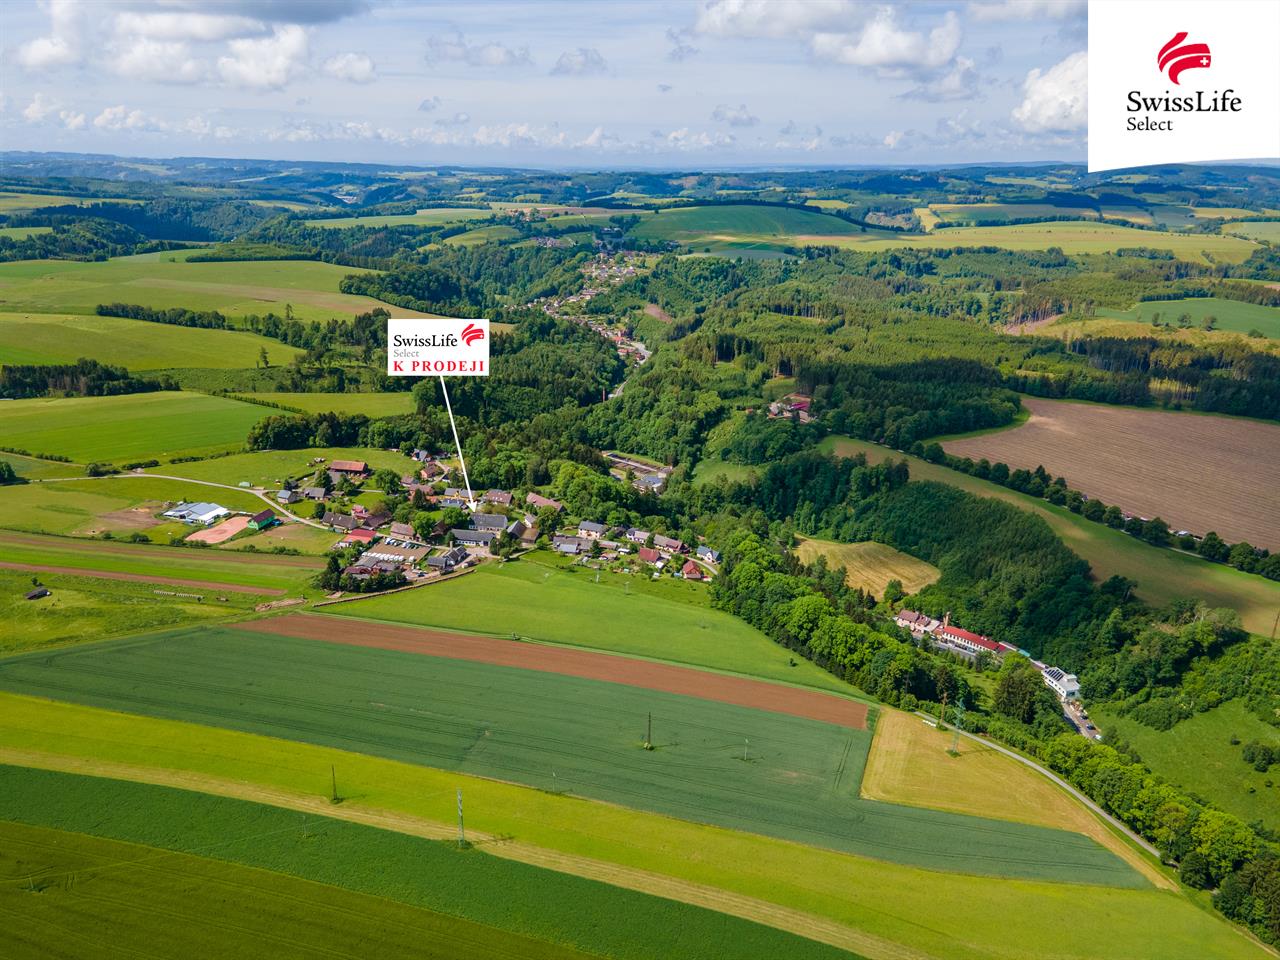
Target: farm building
{"points": [[263, 520], [489, 521], [198, 514], [534, 500], [357, 536], [340, 521], [396, 555], [314, 493], [474, 538], [572, 546], [965, 639], [351, 468], [288, 496], [445, 562]]}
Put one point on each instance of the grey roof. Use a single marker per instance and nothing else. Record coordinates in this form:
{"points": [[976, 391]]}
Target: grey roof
{"points": [[592, 526], [474, 536], [489, 521]]}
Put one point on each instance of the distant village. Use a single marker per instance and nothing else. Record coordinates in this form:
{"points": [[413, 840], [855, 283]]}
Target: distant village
{"points": [[601, 271]]}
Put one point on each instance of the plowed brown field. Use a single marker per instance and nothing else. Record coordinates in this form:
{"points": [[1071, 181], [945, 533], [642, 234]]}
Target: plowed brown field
{"points": [[1198, 473], [741, 691]]}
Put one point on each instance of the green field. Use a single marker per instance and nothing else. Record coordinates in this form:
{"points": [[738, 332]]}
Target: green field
{"points": [[32, 469], [16, 202], [179, 904], [697, 225], [140, 426], [865, 896], [88, 608], [1162, 575], [164, 280], [19, 233], [744, 769], [370, 404], [544, 603], [1231, 315], [284, 573], [268, 468], [430, 217], [135, 344], [487, 904], [480, 235], [1268, 230], [1197, 755]]}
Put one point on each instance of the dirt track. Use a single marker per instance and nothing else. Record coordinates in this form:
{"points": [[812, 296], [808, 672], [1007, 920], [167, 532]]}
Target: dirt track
{"points": [[1197, 472], [211, 585], [686, 681]]}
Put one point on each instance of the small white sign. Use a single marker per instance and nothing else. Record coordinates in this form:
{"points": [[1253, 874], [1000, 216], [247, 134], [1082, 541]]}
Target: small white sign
{"points": [[437, 347], [1183, 81]]}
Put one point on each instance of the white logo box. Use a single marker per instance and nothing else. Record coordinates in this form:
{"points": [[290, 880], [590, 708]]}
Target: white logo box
{"points": [[448, 347]]}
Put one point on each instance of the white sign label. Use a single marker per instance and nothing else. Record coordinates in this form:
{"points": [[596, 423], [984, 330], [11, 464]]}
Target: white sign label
{"points": [[1183, 81], [444, 347]]}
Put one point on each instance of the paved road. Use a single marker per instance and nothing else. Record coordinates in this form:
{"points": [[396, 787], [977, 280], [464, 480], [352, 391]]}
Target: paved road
{"points": [[257, 492], [1063, 784]]}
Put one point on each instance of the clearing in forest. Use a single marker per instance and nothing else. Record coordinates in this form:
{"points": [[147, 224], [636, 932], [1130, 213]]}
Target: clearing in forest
{"points": [[870, 565]]}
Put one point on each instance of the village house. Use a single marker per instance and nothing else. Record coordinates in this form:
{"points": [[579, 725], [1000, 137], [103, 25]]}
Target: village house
{"points": [[571, 546], [590, 530], [650, 556], [474, 538], [500, 497], [447, 501], [691, 571], [356, 536], [652, 482], [489, 521], [636, 536], [430, 471], [260, 521], [314, 493], [707, 555], [288, 496], [198, 514], [404, 533], [668, 544], [1065, 685], [364, 568], [538, 502], [447, 561], [339, 521]]}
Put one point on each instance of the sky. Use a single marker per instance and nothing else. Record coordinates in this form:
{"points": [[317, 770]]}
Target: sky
{"points": [[664, 83]]}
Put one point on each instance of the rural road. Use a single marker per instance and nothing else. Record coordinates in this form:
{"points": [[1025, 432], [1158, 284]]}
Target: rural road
{"points": [[1064, 785], [204, 483]]}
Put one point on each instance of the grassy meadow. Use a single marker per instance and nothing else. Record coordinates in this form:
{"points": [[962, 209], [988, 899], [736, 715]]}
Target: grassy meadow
{"points": [[1162, 574], [1268, 230], [139, 345], [139, 426], [1197, 754], [269, 468], [21, 233], [486, 906], [164, 280], [568, 606], [428, 217], [695, 225], [370, 404], [1231, 315], [862, 897], [13, 201], [870, 565]]}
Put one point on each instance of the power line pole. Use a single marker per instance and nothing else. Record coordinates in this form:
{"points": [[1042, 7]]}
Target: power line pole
{"points": [[333, 784], [462, 833], [955, 737], [648, 735]]}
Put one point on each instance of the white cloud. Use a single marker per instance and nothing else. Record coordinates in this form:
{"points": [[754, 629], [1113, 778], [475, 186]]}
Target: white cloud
{"points": [[428, 104], [266, 63], [883, 44], [681, 48], [121, 117], [157, 60], [738, 116], [893, 138], [352, 67], [773, 19], [458, 50], [1056, 99], [686, 139], [62, 45], [162, 25], [39, 108], [958, 83], [1028, 9], [580, 62]]}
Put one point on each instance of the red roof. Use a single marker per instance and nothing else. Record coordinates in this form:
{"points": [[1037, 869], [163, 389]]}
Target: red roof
{"points": [[691, 571], [974, 638], [349, 466], [649, 555], [364, 536]]}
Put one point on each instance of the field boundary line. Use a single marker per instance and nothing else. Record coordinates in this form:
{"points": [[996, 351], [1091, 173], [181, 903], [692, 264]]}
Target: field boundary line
{"points": [[803, 924], [411, 586], [143, 578]]}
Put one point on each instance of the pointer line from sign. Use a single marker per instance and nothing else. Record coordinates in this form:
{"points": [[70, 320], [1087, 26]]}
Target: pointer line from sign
{"points": [[445, 390]]}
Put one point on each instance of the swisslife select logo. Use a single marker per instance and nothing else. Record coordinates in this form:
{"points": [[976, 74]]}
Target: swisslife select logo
{"points": [[437, 347], [1182, 81]]}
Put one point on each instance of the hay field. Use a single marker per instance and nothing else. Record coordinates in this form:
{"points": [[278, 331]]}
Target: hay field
{"points": [[136, 344], [429, 217], [1198, 472], [370, 404], [1255, 229], [166, 280], [17, 202], [871, 565], [1229, 315]]}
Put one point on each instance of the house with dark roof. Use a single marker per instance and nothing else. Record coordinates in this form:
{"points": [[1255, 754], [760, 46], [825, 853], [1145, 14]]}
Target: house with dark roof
{"points": [[708, 555], [403, 532], [636, 536], [314, 493], [474, 538], [590, 530], [668, 544], [489, 521], [572, 546], [339, 521], [447, 561], [288, 496], [260, 521]]}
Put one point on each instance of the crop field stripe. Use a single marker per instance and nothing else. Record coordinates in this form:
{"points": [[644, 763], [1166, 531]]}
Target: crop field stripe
{"points": [[141, 578], [877, 899], [83, 545], [685, 681], [534, 903], [556, 733]]}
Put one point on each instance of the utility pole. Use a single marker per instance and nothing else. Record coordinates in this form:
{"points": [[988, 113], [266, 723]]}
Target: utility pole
{"points": [[955, 737], [648, 735], [333, 784], [942, 714], [745, 744], [462, 833]]}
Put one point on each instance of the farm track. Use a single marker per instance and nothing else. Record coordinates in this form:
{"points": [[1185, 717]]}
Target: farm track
{"points": [[143, 578], [1139, 460], [107, 548], [667, 678], [643, 881]]}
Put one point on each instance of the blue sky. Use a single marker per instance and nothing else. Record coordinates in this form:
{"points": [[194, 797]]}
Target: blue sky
{"points": [[684, 83]]}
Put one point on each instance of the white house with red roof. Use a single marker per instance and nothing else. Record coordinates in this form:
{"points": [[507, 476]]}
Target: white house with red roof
{"points": [[965, 639]]}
